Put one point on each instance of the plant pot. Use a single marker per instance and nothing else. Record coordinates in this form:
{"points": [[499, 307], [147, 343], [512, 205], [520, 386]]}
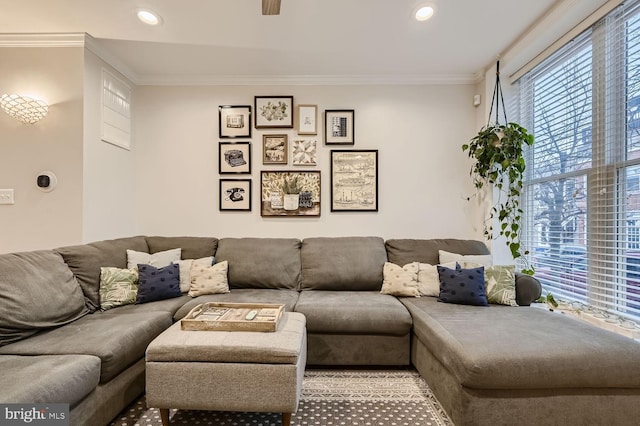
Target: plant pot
{"points": [[276, 201], [291, 201]]}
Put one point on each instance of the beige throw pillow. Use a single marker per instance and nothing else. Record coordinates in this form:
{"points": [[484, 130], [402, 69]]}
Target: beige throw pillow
{"points": [[429, 280], [400, 281], [209, 279], [186, 266]]}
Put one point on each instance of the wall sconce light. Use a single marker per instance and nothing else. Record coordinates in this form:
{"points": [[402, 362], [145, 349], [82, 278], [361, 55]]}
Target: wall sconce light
{"points": [[23, 108]]}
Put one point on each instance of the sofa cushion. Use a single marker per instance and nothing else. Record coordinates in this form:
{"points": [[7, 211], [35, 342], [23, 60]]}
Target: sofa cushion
{"points": [[192, 247], [343, 263], [353, 312], [261, 262], [118, 337], [285, 297], [158, 283], [86, 260], [48, 378], [37, 291], [403, 251], [501, 347]]}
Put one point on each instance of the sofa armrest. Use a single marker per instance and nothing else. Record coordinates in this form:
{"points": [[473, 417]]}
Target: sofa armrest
{"points": [[528, 289]]}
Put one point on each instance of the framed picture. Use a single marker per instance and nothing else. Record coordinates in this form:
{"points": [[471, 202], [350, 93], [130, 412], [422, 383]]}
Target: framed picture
{"points": [[234, 121], [304, 153], [273, 112], [234, 157], [306, 119], [354, 180], [235, 194], [289, 193], [275, 149], [338, 127]]}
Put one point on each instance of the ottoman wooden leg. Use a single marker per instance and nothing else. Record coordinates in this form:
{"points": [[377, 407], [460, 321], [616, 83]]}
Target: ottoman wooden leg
{"points": [[286, 419], [164, 415]]}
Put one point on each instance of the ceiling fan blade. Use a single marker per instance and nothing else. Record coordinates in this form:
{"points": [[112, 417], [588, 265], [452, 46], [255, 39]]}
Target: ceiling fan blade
{"points": [[271, 7]]}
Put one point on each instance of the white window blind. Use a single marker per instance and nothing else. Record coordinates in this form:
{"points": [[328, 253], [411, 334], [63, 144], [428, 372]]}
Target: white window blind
{"points": [[116, 110], [582, 188]]}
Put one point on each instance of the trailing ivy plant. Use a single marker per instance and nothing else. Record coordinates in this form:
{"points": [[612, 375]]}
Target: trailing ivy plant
{"points": [[497, 151]]}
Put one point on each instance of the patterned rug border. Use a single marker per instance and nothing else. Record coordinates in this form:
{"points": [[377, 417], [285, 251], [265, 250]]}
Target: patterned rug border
{"points": [[329, 397]]}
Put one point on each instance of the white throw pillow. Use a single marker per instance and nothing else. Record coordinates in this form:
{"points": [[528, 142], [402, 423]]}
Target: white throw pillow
{"points": [[185, 270], [400, 281], [482, 259], [429, 280], [209, 279], [157, 260]]}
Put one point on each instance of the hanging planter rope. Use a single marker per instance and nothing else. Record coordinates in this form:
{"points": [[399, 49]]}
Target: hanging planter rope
{"points": [[497, 151]]}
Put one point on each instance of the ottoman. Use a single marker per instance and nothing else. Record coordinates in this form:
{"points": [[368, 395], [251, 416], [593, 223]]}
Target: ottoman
{"points": [[228, 370]]}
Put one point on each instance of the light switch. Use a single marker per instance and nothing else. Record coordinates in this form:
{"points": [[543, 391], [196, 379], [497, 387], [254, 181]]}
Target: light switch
{"points": [[6, 196]]}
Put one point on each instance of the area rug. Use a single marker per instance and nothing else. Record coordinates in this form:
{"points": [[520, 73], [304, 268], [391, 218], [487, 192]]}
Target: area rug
{"points": [[329, 397]]}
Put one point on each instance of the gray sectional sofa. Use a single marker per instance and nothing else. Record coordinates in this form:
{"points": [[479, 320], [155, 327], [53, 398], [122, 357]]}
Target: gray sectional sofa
{"points": [[486, 365]]}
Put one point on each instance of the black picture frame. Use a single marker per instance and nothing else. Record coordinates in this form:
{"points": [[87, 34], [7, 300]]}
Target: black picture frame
{"points": [[273, 112], [234, 158], [354, 180], [235, 195], [234, 121], [339, 128], [272, 194]]}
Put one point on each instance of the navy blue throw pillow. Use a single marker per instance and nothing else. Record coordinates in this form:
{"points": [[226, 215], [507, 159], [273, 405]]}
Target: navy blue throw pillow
{"points": [[158, 283], [462, 286]]}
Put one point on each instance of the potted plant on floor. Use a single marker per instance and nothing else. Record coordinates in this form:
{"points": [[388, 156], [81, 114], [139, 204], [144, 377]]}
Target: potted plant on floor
{"points": [[497, 151], [291, 190]]}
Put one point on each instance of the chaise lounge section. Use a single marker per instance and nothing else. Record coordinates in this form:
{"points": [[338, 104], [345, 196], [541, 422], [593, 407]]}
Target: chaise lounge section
{"points": [[486, 365]]}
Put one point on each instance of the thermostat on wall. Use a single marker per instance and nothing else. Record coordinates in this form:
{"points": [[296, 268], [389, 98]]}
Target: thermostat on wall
{"points": [[46, 181]]}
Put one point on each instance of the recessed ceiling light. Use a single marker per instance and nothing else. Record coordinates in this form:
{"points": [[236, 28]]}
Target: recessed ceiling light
{"points": [[423, 12], [148, 17]]}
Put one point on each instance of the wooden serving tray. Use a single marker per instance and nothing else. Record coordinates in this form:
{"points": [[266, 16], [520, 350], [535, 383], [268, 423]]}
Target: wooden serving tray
{"points": [[214, 316]]}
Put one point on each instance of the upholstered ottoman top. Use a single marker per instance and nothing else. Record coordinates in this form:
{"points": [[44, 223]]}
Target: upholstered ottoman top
{"points": [[280, 347]]}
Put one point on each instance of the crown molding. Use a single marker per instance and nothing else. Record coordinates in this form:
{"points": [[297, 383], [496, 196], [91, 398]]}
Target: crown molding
{"points": [[304, 80], [94, 45], [42, 40]]}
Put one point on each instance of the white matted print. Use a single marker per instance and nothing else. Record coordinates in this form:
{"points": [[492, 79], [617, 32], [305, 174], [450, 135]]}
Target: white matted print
{"points": [[234, 157], [273, 112], [339, 127], [234, 121], [306, 119], [235, 194], [304, 153]]}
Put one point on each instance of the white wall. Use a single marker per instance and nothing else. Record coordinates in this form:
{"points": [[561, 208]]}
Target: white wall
{"points": [[41, 220], [109, 201], [423, 173]]}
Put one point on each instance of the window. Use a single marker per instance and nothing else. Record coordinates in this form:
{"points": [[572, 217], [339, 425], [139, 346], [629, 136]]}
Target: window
{"points": [[116, 111], [582, 188]]}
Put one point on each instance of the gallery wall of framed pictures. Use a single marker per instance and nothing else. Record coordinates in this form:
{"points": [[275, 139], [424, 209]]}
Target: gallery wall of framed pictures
{"points": [[292, 135]]}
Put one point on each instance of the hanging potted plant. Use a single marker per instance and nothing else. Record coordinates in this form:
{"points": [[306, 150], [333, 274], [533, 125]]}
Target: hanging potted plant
{"points": [[497, 151]]}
